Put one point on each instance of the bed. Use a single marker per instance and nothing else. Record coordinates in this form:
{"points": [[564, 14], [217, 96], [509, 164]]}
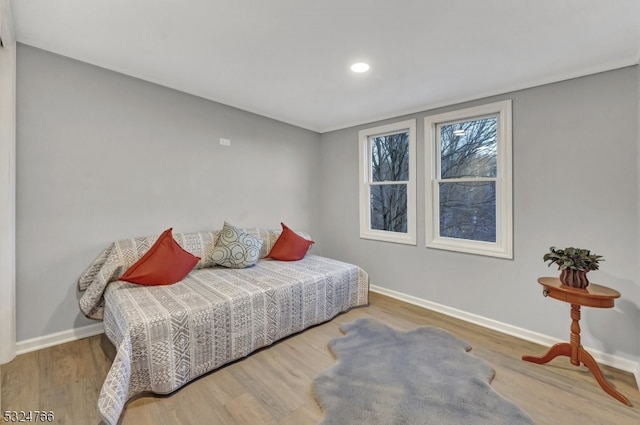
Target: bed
{"points": [[166, 336]]}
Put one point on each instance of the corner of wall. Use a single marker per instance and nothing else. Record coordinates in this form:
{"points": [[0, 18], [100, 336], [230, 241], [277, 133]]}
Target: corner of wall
{"points": [[637, 372], [7, 185]]}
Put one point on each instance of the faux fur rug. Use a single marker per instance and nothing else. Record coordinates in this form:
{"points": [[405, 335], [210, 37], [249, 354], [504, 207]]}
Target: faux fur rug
{"points": [[424, 376]]}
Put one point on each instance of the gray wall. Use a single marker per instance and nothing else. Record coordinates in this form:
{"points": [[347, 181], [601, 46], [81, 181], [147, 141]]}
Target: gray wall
{"points": [[101, 156], [575, 164]]}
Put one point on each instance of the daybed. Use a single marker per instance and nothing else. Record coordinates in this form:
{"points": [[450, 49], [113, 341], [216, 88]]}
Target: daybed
{"points": [[166, 336]]}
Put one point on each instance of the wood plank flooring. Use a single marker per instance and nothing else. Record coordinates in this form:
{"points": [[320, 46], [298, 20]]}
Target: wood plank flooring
{"points": [[273, 385]]}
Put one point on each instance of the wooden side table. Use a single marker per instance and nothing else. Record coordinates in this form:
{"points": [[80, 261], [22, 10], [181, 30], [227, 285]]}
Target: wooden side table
{"points": [[592, 296]]}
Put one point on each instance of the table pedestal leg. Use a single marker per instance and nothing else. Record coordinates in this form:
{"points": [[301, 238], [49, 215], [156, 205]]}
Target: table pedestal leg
{"points": [[590, 363], [560, 349], [578, 355]]}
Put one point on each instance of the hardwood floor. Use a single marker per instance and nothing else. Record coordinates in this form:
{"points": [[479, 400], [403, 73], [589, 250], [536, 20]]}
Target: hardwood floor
{"points": [[273, 385]]}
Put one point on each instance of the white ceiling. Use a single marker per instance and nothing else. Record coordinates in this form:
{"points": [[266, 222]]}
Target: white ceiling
{"points": [[289, 59]]}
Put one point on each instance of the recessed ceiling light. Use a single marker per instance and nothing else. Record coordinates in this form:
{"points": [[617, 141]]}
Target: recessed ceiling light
{"points": [[360, 67]]}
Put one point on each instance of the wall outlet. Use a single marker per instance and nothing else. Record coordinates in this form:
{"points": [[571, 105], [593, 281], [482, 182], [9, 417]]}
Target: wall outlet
{"points": [[225, 142]]}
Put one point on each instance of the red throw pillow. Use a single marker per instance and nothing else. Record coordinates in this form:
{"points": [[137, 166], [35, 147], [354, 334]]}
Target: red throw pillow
{"points": [[165, 263], [289, 246]]}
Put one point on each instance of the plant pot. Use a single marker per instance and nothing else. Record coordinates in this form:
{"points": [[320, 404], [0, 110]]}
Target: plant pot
{"points": [[574, 278]]}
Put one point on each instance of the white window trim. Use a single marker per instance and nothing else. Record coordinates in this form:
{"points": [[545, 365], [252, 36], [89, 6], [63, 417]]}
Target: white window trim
{"points": [[366, 232], [503, 247]]}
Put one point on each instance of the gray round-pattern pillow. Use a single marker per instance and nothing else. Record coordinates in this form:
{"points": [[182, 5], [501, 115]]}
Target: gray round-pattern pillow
{"points": [[236, 249]]}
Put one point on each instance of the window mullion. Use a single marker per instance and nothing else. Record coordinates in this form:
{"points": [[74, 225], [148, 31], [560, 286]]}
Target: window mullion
{"points": [[467, 179], [389, 182]]}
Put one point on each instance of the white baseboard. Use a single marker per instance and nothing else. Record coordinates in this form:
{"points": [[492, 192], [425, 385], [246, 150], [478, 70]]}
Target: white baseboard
{"points": [[50, 340], [603, 358]]}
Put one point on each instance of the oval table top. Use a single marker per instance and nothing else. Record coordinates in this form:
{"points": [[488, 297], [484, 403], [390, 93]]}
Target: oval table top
{"points": [[593, 295]]}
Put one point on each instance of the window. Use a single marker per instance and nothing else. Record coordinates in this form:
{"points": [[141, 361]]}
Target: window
{"points": [[468, 171], [388, 182]]}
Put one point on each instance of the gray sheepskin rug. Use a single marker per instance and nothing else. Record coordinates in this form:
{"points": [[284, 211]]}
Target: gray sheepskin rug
{"points": [[423, 376]]}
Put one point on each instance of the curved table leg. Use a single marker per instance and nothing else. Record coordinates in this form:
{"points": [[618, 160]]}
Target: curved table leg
{"points": [[565, 349], [590, 363], [560, 349]]}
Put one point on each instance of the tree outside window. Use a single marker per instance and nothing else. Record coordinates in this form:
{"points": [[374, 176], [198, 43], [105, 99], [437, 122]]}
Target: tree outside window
{"points": [[389, 165], [468, 167]]}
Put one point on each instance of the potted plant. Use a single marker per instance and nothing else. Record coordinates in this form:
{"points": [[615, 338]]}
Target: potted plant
{"points": [[573, 263]]}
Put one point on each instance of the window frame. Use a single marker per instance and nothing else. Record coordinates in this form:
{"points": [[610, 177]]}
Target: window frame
{"points": [[503, 246], [365, 172]]}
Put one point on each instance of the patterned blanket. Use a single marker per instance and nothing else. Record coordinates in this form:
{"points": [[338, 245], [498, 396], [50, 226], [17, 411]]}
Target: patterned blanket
{"points": [[166, 336]]}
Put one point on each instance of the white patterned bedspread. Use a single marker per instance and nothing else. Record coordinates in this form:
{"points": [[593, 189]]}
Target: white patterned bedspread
{"points": [[166, 336]]}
